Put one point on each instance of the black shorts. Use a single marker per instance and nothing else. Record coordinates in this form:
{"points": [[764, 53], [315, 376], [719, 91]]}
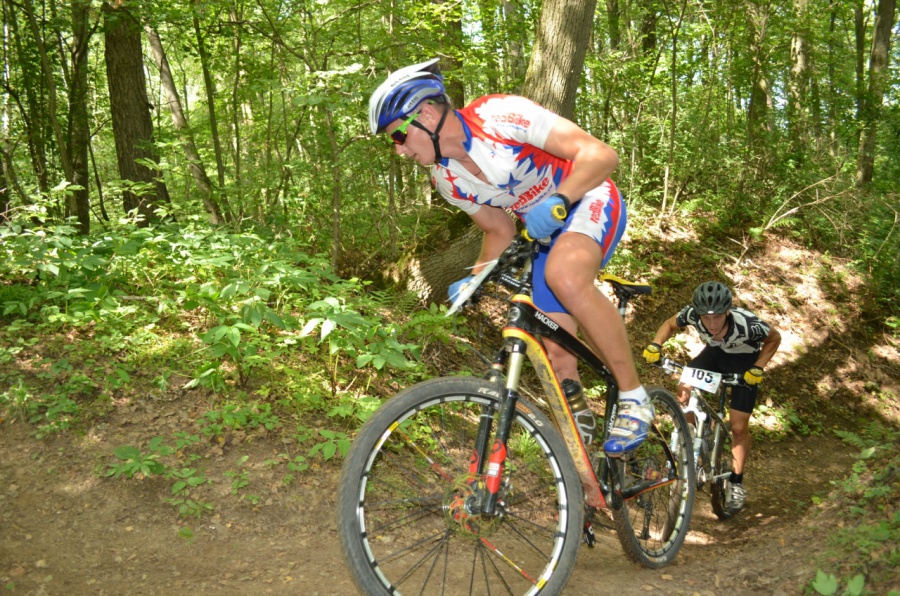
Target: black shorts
{"points": [[743, 397]]}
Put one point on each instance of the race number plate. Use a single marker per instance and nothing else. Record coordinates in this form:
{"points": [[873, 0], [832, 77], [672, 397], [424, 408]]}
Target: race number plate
{"points": [[705, 380]]}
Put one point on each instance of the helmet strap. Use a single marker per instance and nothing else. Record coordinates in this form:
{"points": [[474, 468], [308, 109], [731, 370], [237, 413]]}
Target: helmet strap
{"points": [[436, 136]]}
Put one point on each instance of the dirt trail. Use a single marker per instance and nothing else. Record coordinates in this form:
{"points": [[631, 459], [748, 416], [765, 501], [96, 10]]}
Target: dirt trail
{"points": [[65, 529]]}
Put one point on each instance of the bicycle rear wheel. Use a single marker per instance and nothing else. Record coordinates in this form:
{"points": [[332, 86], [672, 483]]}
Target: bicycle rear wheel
{"points": [[722, 464], [654, 519], [405, 487]]}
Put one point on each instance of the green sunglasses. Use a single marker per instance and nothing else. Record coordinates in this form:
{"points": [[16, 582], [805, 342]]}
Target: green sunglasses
{"points": [[399, 135]]}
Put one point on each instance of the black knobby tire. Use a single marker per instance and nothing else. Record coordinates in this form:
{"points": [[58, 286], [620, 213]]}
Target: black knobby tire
{"points": [[722, 462], [652, 525], [401, 520], [703, 469]]}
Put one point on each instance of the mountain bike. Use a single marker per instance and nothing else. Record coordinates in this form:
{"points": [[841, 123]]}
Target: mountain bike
{"points": [[711, 433], [459, 484]]}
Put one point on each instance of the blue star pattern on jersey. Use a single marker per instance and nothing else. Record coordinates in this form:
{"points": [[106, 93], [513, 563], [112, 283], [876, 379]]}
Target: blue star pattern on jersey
{"points": [[504, 137]]}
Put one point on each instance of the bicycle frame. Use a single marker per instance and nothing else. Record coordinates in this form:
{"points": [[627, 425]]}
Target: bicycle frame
{"points": [[526, 323], [702, 409]]}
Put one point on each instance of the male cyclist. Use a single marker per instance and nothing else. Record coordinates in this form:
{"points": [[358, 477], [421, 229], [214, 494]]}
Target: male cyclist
{"points": [[506, 152], [737, 341]]}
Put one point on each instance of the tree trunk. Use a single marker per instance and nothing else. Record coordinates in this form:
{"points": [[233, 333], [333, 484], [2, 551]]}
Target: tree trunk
{"points": [[515, 49], [612, 19], [4, 192], [450, 40], [50, 81], [648, 29], [489, 26], [859, 30], [832, 89], [195, 164], [78, 200], [210, 88], [429, 272], [878, 77], [798, 82], [758, 111], [335, 194], [34, 111], [132, 124], [236, 17], [560, 44]]}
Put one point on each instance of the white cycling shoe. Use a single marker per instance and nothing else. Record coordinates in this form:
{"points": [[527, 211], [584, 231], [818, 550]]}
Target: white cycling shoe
{"points": [[736, 496], [630, 429]]}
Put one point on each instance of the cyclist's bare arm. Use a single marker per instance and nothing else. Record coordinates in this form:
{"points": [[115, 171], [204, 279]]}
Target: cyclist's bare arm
{"points": [[666, 330], [593, 160], [499, 230], [769, 347]]}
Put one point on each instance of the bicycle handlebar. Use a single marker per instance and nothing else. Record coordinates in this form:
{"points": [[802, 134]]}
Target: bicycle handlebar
{"points": [[672, 367], [507, 271]]}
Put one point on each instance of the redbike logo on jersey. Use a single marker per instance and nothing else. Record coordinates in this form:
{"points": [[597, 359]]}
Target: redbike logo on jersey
{"points": [[514, 119], [531, 193]]}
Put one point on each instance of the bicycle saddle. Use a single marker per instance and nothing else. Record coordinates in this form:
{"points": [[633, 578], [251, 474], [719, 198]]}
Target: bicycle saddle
{"points": [[628, 288]]}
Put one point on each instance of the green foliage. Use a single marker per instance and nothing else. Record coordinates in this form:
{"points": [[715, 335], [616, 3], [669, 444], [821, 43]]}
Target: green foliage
{"points": [[326, 442], [49, 413], [827, 585], [866, 544], [133, 461], [238, 417]]}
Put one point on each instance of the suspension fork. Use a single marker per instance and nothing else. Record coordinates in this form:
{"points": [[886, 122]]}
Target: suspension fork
{"points": [[489, 493], [485, 425]]}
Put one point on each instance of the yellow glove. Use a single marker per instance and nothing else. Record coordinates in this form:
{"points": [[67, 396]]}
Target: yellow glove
{"points": [[652, 352], [754, 376]]}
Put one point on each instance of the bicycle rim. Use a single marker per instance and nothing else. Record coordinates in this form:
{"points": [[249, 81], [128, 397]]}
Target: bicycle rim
{"points": [[652, 524], [403, 521], [722, 463]]}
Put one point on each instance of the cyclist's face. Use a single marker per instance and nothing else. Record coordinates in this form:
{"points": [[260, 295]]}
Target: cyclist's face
{"points": [[417, 145], [714, 323]]}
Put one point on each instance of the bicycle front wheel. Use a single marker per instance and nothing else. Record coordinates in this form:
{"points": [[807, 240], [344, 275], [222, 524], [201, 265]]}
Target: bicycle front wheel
{"points": [[722, 464], [405, 503], [657, 483]]}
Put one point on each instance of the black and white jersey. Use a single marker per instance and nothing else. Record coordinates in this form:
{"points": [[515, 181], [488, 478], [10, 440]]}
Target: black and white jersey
{"points": [[744, 335]]}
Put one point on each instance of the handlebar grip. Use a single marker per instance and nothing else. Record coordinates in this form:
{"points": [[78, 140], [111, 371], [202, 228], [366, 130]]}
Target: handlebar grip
{"points": [[559, 212]]}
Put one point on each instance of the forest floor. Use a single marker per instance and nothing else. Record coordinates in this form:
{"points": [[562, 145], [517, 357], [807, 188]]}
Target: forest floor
{"points": [[66, 528]]}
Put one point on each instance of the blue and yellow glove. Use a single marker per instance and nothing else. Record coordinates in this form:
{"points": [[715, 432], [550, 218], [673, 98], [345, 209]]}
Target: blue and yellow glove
{"points": [[458, 286], [754, 376], [547, 216]]}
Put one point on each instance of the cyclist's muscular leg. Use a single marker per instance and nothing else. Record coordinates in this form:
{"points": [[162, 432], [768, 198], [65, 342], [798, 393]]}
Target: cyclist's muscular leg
{"points": [[740, 432], [572, 266], [683, 393], [565, 365]]}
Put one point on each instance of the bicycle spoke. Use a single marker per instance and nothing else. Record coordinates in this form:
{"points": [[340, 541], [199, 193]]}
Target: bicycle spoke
{"points": [[657, 485], [417, 518]]}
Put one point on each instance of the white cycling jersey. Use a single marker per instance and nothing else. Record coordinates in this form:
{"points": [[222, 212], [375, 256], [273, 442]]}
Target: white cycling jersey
{"points": [[505, 135]]}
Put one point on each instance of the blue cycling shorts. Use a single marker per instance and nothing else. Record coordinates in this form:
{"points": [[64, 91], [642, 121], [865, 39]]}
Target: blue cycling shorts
{"points": [[599, 215]]}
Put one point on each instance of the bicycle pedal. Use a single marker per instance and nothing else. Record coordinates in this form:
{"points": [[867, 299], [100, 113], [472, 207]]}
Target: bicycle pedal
{"points": [[589, 537]]}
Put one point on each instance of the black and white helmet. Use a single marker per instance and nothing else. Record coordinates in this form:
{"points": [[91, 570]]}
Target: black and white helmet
{"points": [[712, 298]]}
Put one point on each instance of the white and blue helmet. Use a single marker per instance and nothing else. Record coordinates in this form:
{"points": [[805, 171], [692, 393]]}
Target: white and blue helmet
{"points": [[403, 91]]}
